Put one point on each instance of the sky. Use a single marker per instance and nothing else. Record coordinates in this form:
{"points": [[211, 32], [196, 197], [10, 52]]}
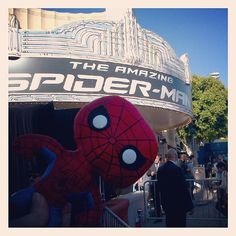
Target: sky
{"points": [[201, 33]]}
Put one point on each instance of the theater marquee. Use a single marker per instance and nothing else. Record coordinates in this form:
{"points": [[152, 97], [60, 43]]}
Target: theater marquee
{"points": [[59, 78]]}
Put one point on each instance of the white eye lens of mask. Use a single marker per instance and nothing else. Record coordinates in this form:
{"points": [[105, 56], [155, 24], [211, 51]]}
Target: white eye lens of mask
{"points": [[100, 121], [129, 156]]}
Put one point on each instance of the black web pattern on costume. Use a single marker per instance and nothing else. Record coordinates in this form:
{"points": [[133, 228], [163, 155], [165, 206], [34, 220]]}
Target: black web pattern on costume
{"points": [[123, 132]]}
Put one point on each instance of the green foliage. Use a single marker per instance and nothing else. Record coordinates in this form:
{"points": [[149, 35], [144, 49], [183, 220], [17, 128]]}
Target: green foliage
{"points": [[210, 110]]}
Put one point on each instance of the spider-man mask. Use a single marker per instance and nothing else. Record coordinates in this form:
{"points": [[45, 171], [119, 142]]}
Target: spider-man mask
{"points": [[116, 140]]}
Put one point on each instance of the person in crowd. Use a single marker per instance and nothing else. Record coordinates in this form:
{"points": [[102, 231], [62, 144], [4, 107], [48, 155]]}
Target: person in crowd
{"points": [[214, 172], [175, 197], [222, 194], [154, 192], [208, 169], [162, 160], [190, 164], [189, 175], [221, 158], [182, 162]]}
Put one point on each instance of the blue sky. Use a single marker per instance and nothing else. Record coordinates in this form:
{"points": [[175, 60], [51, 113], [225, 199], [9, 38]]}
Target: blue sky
{"points": [[201, 33]]}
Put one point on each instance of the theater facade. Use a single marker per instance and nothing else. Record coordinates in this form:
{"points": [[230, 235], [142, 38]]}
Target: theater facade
{"points": [[71, 59]]}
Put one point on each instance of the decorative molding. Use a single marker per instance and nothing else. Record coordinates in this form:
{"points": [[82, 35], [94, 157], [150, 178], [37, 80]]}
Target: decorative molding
{"points": [[124, 42]]}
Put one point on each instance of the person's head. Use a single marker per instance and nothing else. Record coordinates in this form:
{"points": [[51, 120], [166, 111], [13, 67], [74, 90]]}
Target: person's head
{"points": [[157, 159], [171, 155], [182, 157], [220, 167]]}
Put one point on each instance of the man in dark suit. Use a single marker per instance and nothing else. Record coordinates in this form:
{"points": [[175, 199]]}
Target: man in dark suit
{"points": [[175, 197]]}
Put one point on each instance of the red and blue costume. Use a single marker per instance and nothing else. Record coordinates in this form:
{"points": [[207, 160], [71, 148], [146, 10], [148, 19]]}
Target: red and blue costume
{"points": [[113, 141]]}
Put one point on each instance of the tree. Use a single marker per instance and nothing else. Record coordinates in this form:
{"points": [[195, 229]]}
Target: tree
{"points": [[210, 111]]}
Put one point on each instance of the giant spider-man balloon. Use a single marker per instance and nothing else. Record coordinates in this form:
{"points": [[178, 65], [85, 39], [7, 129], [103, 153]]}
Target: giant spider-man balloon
{"points": [[113, 141]]}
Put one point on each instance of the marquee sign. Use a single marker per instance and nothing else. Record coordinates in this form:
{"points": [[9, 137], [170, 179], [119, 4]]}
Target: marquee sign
{"points": [[64, 77]]}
